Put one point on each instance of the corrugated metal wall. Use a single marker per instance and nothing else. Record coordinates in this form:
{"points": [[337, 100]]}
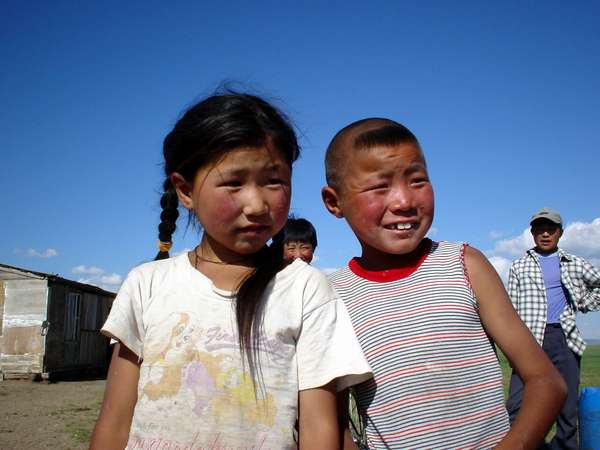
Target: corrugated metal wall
{"points": [[22, 345]]}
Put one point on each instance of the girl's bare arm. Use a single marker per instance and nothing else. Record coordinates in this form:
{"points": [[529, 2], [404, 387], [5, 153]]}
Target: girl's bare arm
{"points": [[544, 388], [112, 428], [343, 419], [318, 420]]}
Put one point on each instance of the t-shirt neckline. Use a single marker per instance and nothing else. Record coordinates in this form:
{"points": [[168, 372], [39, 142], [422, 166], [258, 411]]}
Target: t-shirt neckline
{"points": [[224, 294], [196, 275], [399, 273], [548, 256]]}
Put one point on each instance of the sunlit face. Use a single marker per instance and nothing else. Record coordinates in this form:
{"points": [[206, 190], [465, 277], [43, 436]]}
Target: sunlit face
{"points": [[298, 249], [546, 235], [387, 199], [241, 200]]}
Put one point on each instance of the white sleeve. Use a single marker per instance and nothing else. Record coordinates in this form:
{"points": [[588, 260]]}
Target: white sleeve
{"points": [[124, 322], [327, 347]]}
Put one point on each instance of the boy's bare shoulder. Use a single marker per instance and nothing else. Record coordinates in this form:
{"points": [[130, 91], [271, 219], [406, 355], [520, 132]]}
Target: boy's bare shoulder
{"points": [[475, 260], [474, 253]]}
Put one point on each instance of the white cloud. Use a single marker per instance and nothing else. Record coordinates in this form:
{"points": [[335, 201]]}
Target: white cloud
{"points": [[494, 234], [112, 279], [515, 246], [91, 270], [96, 277], [502, 266], [48, 253], [582, 239], [108, 283]]}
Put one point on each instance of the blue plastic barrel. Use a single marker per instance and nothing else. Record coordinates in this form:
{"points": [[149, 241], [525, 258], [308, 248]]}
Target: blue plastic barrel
{"points": [[589, 418]]}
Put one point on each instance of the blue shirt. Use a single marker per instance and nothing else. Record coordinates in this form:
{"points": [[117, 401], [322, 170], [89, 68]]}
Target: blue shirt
{"points": [[555, 292]]}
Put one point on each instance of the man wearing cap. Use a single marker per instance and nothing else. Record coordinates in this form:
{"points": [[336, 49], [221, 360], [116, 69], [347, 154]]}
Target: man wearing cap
{"points": [[547, 287]]}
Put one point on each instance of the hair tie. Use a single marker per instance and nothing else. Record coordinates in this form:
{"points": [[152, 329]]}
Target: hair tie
{"points": [[164, 246]]}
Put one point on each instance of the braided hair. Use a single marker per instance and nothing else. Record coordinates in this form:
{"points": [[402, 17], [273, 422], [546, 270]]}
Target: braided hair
{"points": [[168, 219]]}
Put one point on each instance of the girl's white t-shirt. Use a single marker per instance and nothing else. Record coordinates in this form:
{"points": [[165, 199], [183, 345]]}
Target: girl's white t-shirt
{"points": [[194, 390]]}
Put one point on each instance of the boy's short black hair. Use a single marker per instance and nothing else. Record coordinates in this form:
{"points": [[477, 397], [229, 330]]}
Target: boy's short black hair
{"points": [[360, 135], [299, 230]]}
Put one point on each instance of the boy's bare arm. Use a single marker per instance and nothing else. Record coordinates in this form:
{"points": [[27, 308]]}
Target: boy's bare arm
{"points": [[318, 421], [112, 428], [544, 388]]}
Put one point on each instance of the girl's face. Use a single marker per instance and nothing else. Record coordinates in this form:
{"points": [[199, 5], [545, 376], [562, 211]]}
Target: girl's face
{"points": [[241, 199]]}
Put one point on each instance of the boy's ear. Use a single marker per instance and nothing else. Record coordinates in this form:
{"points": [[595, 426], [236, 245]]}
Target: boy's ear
{"points": [[332, 202], [183, 189]]}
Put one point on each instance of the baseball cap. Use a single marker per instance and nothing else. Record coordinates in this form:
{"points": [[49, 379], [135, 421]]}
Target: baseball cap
{"points": [[548, 214]]}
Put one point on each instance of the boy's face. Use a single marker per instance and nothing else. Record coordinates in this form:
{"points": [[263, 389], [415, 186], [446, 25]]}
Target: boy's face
{"points": [[298, 249], [387, 198], [546, 235]]}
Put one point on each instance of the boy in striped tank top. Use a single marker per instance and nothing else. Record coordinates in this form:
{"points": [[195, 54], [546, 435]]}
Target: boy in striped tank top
{"points": [[423, 310]]}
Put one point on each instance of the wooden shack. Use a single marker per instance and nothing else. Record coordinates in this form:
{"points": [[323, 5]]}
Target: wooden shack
{"points": [[50, 325]]}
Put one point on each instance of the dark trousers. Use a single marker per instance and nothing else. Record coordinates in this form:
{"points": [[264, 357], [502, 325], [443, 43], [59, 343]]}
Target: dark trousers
{"points": [[568, 364]]}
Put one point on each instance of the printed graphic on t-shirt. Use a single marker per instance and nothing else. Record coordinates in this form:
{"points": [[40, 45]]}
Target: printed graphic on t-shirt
{"points": [[198, 369]]}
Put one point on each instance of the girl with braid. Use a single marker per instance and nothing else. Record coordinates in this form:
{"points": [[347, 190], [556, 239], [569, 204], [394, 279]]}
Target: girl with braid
{"points": [[224, 346]]}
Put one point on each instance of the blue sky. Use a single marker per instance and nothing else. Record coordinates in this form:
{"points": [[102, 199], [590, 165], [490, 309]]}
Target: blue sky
{"points": [[504, 98]]}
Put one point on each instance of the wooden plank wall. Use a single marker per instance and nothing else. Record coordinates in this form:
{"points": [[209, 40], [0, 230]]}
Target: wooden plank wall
{"points": [[90, 351], [55, 348]]}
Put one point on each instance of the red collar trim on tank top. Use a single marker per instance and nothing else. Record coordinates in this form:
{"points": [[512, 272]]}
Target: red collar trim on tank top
{"points": [[382, 276]]}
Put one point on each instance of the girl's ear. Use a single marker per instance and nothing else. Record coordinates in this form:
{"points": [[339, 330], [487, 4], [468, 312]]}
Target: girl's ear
{"points": [[332, 202], [183, 189]]}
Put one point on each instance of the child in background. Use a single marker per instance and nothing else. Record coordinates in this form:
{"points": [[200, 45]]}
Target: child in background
{"points": [[221, 346], [299, 240], [421, 309]]}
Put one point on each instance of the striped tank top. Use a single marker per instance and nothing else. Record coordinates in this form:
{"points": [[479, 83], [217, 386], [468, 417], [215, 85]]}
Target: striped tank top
{"points": [[437, 384]]}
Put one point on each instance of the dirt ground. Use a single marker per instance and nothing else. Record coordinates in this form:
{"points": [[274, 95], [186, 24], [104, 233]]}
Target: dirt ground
{"points": [[41, 415]]}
